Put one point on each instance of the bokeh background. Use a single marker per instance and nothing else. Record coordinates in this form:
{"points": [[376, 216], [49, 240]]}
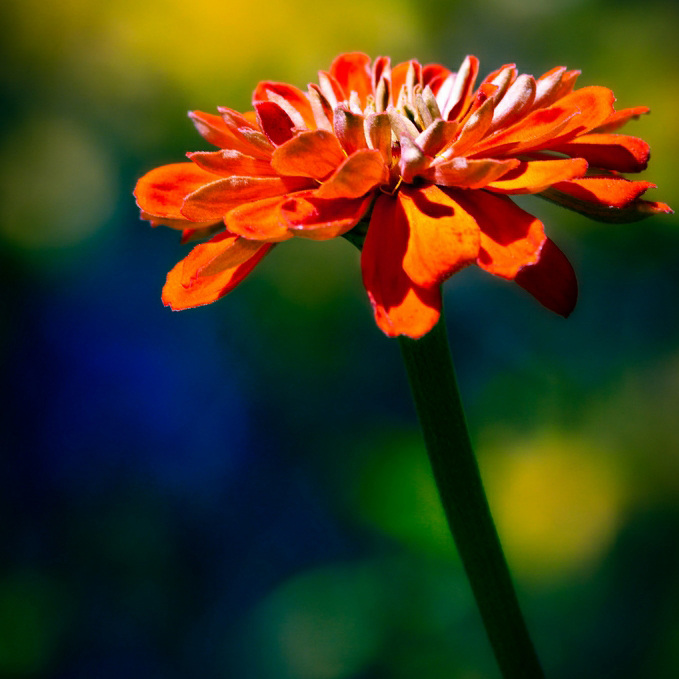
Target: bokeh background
{"points": [[241, 490]]}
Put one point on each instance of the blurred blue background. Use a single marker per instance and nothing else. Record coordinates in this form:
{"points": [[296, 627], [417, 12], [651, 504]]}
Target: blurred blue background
{"points": [[241, 490]]}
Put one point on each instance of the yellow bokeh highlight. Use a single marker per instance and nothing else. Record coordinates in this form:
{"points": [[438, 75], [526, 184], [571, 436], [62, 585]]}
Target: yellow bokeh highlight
{"points": [[557, 502]]}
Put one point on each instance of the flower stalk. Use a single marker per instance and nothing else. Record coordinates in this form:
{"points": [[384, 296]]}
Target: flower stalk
{"points": [[434, 387]]}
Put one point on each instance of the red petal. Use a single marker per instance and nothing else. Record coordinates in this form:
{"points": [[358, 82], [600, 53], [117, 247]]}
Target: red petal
{"points": [[224, 251], [401, 307], [551, 280], [314, 154], [443, 238], [275, 122], [357, 175], [212, 128], [352, 72], [608, 151], [537, 175], [349, 129], [229, 162], [294, 96], [318, 219], [259, 220], [214, 200], [201, 290], [510, 237], [162, 191]]}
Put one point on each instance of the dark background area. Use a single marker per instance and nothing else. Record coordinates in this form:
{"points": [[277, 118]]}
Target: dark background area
{"points": [[241, 490]]}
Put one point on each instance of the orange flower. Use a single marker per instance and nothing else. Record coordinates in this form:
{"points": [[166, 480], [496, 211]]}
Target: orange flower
{"points": [[415, 152]]}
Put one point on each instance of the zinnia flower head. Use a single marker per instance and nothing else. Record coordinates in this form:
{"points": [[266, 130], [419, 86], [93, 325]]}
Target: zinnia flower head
{"points": [[423, 157]]}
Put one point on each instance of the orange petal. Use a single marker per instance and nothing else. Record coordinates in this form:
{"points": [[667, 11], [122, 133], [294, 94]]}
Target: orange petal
{"points": [[275, 122], [212, 128], [180, 224], [228, 162], [274, 91], [162, 191], [259, 220], [401, 307], [551, 280], [469, 174], [618, 152], [318, 219], [463, 86], [352, 72], [201, 290], [357, 175], [224, 251], [443, 238], [620, 118], [314, 154], [536, 175], [214, 200], [349, 128], [606, 199], [510, 237]]}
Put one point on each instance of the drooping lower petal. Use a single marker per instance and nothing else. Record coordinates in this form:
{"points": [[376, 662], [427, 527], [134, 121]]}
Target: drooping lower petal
{"points": [[183, 291], [511, 238], [259, 220], [401, 307], [161, 192], [551, 280], [443, 236]]}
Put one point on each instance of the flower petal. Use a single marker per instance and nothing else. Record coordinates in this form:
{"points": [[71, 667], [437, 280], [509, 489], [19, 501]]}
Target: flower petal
{"points": [[182, 291], [401, 307], [214, 200], [312, 217], [469, 174], [162, 191], [510, 237], [536, 175], [315, 154], [228, 162], [274, 91], [352, 72], [606, 199], [443, 237], [620, 118], [259, 220], [618, 152], [357, 175], [551, 280], [275, 122], [212, 128], [224, 251]]}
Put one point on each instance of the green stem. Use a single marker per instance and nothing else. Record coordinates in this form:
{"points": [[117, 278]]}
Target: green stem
{"points": [[434, 387]]}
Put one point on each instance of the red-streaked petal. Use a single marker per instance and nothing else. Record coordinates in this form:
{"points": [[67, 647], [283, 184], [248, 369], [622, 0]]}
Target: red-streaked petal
{"points": [[401, 307], [259, 220], [275, 122], [228, 162], [315, 154], [352, 72], [162, 191], [443, 238], [318, 219], [214, 200], [618, 152], [620, 118], [536, 175], [510, 237], [551, 280], [294, 96], [201, 290], [463, 87], [469, 174], [358, 174]]}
